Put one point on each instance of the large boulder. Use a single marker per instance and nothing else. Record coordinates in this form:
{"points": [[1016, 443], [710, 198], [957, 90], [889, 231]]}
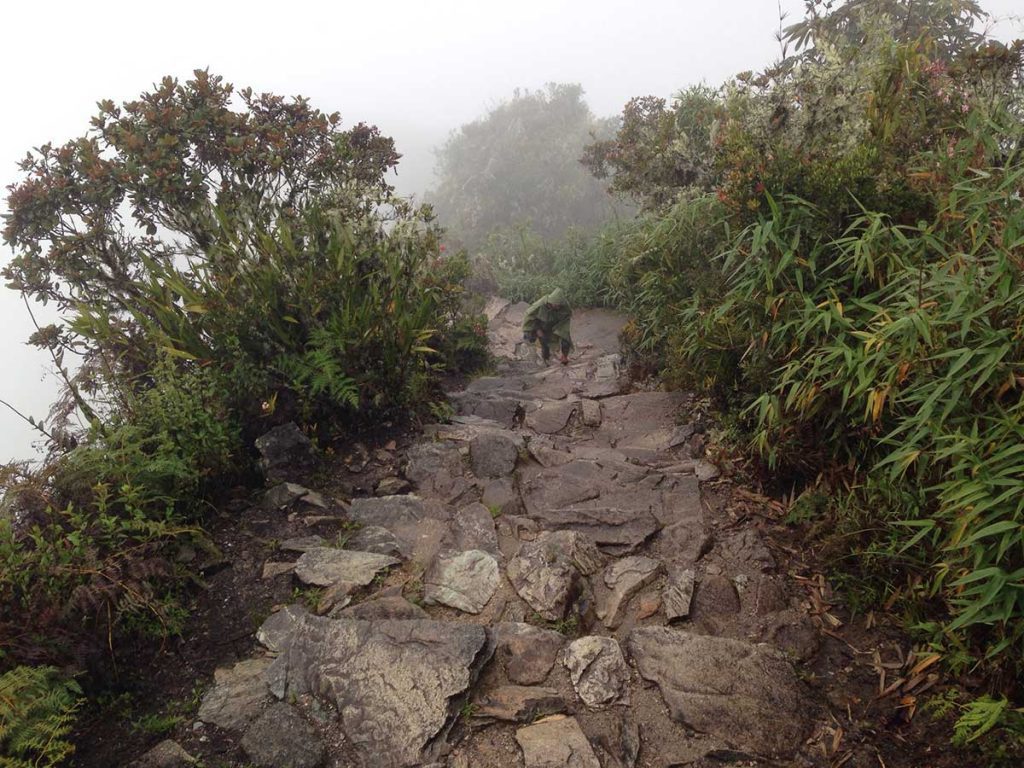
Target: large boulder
{"points": [[746, 695], [493, 454], [397, 685], [546, 572]]}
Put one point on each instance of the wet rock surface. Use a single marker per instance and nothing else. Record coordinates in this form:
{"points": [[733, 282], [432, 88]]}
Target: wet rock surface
{"points": [[556, 743], [747, 695], [393, 683]]}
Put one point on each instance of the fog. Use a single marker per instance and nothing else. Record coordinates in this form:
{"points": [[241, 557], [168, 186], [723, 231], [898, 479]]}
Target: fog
{"points": [[417, 70]]}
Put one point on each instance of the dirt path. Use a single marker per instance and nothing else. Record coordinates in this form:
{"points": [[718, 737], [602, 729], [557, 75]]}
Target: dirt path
{"points": [[555, 580]]}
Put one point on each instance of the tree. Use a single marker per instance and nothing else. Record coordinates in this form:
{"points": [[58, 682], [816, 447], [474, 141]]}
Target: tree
{"points": [[659, 150], [147, 183], [519, 164]]}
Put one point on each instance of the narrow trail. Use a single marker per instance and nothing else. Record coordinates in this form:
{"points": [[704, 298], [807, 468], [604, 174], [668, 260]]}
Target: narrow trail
{"points": [[555, 589]]}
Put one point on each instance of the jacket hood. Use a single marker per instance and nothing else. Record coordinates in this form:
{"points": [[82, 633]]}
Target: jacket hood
{"points": [[556, 298]]}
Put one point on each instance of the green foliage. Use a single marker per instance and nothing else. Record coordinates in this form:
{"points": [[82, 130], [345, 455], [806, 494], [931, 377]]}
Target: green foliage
{"points": [[525, 266], [659, 150], [37, 712], [985, 714], [218, 272], [519, 166], [851, 291]]}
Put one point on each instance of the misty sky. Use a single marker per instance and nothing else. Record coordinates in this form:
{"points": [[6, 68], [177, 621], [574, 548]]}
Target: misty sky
{"points": [[416, 69]]}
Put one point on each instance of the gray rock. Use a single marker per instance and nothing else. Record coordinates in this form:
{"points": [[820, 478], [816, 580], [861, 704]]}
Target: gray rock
{"points": [[621, 748], [625, 577], [395, 684], [746, 695], [284, 449], [706, 471], [465, 581], [715, 595], [678, 593], [326, 566], [518, 704], [392, 486], [302, 543], [597, 670], [472, 527], [527, 652], [493, 454], [435, 467], [166, 754], [552, 417], [556, 743], [276, 630], [592, 413], [283, 495], [392, 607], [587, 496], [418, 525], [546, 572], [374, 538], [272, 570], [746, 548], [681, 435], [281, 738], [238, 695], [501, 495]]}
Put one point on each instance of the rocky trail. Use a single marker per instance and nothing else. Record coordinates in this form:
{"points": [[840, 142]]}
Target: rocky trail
{"points": [[556, 580]]}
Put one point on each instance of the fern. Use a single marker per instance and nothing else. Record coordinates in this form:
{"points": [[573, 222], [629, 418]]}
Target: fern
{"points": [[37, 711], [984, 714]]}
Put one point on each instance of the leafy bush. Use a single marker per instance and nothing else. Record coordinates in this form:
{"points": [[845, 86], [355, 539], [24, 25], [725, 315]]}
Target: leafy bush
{"points": [[853, 290], [524, 266], [518, 166], [241, 269], [37, 711]]}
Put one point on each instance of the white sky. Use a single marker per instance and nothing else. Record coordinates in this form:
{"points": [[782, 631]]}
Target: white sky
{"points": [[416, 69]]}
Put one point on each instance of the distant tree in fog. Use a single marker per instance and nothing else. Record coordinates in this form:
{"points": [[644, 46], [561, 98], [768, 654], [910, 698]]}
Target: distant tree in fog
{"points": [[520, 165]]}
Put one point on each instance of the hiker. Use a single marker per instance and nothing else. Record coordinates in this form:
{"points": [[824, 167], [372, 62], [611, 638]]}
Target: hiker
{"points": [[548, 319]]}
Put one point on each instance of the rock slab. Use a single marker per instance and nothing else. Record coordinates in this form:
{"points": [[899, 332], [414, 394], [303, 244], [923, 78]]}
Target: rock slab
{"points": [[625, 577], [527, 652], [396, 685], [465, 581], [326, 566], [281, 737], [238, 695], [744, 694], [597, 670], [518, 703], [546, 572], [556, 743], [678, 593]]}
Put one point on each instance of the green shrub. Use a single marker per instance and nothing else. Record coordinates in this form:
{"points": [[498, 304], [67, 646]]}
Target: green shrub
{"points": [[37, 712]]}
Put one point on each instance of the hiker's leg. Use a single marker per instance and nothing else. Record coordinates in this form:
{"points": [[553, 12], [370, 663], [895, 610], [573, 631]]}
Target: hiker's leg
{"points": [[545, 348]]}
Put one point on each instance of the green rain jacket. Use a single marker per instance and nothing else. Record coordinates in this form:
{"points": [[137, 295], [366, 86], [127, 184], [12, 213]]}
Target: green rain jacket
{"points": [[554, 321]]}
